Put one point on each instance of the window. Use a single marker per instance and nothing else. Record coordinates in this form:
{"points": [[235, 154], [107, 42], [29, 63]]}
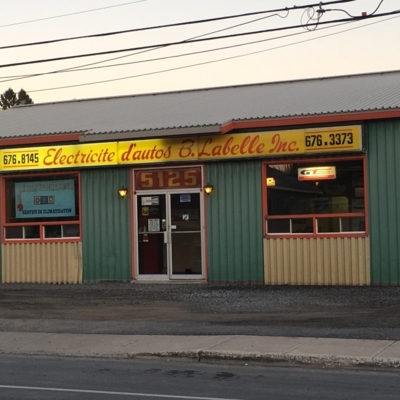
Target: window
{"points": [[41, 207], [316, 198]]}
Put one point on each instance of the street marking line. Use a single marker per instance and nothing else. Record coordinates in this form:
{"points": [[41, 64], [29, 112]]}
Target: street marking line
{"points": [[162, 396]]}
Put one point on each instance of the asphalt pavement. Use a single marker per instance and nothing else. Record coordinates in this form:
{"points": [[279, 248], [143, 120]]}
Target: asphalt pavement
{"points": [[66, 378], [347, 327]]}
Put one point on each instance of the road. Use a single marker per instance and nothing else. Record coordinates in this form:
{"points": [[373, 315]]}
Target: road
{"points": [[28, 378]]}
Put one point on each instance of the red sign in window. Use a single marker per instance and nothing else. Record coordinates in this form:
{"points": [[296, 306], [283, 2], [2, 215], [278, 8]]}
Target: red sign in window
{"points": [[173, 178]]}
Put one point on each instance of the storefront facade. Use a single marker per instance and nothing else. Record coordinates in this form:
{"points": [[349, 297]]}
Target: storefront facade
{"points": [[295, 201], [109, 222]]}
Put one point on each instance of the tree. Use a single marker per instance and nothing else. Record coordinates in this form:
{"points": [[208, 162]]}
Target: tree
{"points": [[23, 98], [10, 99]]}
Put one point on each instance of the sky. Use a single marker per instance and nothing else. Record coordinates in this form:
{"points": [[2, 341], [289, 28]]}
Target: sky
{"points": [[370, 45]]}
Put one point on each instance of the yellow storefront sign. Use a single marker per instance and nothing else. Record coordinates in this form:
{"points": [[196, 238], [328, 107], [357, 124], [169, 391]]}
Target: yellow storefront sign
{"points": [[157, 150], [243, 145], [333, 139], [70, 156]]}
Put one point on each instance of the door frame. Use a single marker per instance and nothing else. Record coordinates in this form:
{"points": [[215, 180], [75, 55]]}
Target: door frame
{"points": [[135, 240]]}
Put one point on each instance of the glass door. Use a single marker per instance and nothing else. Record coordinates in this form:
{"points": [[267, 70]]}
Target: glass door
{"points": [[169, 223], [169, 235], [186, 235], [151, 235]]}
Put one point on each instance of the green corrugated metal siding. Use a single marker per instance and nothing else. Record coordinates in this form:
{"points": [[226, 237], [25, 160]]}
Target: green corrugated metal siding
{"points": [[106, 225], [383, 144], [234, 222]]}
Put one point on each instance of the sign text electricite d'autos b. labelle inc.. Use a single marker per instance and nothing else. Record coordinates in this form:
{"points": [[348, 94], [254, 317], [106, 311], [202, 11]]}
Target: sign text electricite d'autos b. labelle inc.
{"points": [[188, 149]]}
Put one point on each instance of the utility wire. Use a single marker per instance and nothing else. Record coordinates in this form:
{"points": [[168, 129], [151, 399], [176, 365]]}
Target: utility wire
{"points": [[310, 12], [352, 16], [72, 69], [213, 61], [185, 42], [75, 13], [170, 25], [377, 8], [82, 68], [9, 78], [153, 59]]}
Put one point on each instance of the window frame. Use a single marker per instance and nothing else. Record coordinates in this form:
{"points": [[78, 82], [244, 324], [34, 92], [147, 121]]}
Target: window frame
{"points": [[41, 224], [314, 217]]}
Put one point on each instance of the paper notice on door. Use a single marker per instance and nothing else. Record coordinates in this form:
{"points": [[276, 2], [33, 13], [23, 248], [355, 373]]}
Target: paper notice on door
{"points": [[153, 225], [150, 201], [184, 198], [145, 211]]}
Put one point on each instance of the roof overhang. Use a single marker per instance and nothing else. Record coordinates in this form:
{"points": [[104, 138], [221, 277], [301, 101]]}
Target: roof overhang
{"points": [[40, 139], [151, 133], [310, 120]]}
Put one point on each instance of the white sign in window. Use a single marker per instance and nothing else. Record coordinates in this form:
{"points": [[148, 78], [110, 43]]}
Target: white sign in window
{"points": [[153, 225], [150, 201]]}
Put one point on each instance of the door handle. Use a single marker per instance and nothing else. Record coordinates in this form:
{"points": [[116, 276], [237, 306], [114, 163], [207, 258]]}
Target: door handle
{"points": [[165, 237]]}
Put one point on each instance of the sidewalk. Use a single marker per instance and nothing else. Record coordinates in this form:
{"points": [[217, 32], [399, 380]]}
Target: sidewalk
{"points": [[265, 349]]}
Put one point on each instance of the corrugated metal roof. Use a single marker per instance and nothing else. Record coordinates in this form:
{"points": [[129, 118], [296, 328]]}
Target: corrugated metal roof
{"points": [[211, 107]]}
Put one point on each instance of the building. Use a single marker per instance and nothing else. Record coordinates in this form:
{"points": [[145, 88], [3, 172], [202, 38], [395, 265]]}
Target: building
{"points": [[304, 181]]}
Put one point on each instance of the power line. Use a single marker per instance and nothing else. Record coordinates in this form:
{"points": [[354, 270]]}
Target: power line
{"points": [[97, 35], [185, 42], [81, 68], [152, 59], [159, 58], [353, 16], [75, 13], [213, 61], [377, 8]]}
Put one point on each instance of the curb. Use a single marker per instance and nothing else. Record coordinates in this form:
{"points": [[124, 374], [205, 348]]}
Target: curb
{"points": [[273, 358], [328, 361]]}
